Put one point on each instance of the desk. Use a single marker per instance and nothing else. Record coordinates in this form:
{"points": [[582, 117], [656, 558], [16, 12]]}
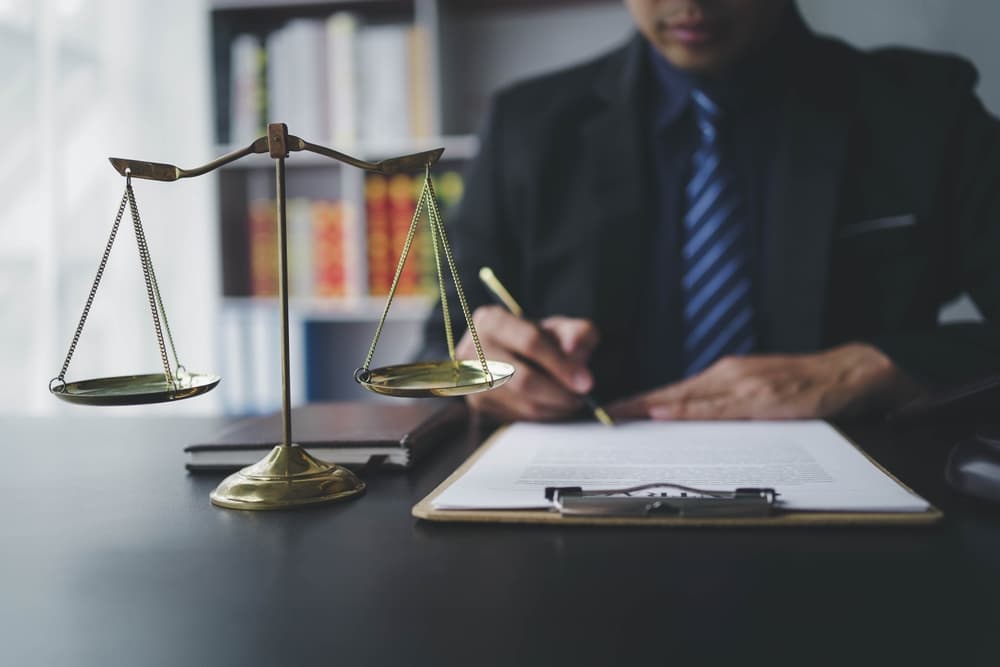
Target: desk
{"points": [[116, 557]]}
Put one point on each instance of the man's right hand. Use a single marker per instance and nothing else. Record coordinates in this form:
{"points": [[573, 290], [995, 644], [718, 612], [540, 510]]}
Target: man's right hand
{"points": [[550, 358]]}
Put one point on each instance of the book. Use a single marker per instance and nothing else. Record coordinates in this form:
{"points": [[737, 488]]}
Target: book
{"points": [[262, 230], [379, 244], [341, 75], [329, 254], [402, 203], [296, 78], [420, 94], [347, 433], [383, 83], [301, 247], [246, 97]]}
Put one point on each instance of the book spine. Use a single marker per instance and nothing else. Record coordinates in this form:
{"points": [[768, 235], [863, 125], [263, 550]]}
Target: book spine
{"points": [[276, 80], [328, 230], [262, 228], [419, 81], [246, 114], [383, 83], [299, 211], [378, 235], [296, 78], [401, 205], [342, 78]]}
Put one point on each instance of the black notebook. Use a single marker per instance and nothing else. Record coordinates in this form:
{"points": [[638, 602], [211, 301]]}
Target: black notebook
{"points": [[351, 434]]}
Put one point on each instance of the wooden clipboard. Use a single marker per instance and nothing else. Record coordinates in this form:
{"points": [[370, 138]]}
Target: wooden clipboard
{"points": [[425, 510]]}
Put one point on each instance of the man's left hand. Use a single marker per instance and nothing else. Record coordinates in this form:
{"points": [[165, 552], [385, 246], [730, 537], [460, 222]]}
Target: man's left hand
{"points": [[849, 380]]}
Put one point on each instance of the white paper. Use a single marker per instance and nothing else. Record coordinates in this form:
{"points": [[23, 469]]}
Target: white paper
{"points": [[809, 464]]}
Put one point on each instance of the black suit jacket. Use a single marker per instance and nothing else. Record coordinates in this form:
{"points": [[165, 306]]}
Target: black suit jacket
{"points": [[883, 205]]}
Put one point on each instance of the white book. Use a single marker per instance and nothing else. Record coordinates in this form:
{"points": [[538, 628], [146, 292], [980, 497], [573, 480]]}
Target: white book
{"points": [[278, 98], [301, 264], [383, 84], [342, 78], [297, 78], [423, 115], [245, 90]]}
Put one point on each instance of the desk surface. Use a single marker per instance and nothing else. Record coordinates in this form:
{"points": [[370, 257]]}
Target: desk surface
{"points": [[113, 555]]}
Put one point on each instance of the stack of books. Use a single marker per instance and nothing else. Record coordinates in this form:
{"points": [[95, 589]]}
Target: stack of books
{"points": [[389, 206], [321, 253], [333, 80]]}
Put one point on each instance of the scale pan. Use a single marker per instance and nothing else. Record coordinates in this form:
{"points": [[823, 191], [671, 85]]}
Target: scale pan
{"points": [[434, 378], [135, 389]]}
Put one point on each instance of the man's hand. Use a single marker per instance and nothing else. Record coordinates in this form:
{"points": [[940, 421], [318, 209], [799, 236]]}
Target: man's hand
{"points": [[551, 359], [849, 380]]}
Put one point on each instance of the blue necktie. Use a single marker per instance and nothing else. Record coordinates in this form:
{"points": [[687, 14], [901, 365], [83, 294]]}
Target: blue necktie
{"points": [[717, 294]]}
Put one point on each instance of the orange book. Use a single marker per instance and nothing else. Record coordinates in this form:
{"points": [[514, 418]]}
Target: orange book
{"points": [[328, 249], [262, 227], [402, 202], [380, 269]]}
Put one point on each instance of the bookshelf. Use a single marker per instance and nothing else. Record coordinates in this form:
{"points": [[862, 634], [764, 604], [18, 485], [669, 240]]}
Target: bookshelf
{"points": [[372, 78]]}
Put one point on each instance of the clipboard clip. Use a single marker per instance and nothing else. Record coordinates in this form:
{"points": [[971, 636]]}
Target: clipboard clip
{"points": [[689, 502]]}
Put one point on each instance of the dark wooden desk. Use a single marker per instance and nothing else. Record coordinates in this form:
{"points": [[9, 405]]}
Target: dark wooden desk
{"points": [[112, 555]]}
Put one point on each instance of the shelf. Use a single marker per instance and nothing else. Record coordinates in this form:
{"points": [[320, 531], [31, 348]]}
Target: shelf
{"points": [[456, 147], [359, 309], [298, 5]]}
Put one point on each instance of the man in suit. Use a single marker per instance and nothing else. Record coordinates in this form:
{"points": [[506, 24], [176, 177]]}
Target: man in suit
{"points": [[731, 217]]}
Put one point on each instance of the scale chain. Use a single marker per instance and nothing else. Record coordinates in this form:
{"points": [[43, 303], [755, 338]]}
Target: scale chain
{"points": [[93, 292], [435, 241], [428, 200], [395, 281], [153, 289], [433, 213]]}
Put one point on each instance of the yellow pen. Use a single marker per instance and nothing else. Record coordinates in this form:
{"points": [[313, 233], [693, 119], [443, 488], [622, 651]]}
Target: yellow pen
{"points": [[494, 285]]}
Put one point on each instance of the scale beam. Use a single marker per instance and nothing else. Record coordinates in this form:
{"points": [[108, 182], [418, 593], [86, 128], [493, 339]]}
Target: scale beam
{"points": [[411, 162], [159, 171]]}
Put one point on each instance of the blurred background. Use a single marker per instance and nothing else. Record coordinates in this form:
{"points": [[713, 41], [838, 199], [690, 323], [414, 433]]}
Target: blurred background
{"points": [[185, 81]]}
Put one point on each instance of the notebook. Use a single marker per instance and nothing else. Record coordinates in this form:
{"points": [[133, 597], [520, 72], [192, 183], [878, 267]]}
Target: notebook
{"points": [[346, 433]]}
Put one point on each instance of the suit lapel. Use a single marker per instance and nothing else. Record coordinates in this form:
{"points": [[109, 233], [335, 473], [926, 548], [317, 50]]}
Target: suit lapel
{"points": [[802, 207], [612, 184]]}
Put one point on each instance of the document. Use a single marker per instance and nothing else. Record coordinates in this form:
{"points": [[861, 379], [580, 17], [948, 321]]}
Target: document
{"points": [[811, 465]]}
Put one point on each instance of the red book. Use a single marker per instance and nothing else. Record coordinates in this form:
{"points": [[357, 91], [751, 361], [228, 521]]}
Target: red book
{"points": [[402, 202], [380, 268]]}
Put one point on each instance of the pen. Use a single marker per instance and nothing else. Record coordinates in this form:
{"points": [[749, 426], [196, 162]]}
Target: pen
{"points": [[494, 285]]}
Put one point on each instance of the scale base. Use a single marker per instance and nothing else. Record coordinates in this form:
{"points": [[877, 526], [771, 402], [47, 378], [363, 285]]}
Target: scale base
{"points": [[287, 477]]}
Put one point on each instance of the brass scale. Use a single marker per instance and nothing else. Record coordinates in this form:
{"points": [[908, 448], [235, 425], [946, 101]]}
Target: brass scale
{"points": [[287, 476]]}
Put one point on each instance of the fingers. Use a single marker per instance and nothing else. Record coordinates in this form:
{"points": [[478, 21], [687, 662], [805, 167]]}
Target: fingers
{"points": [[707, 383], [850, 379], [514, 337], [547, 381], [762, 387], [576, 337], [528, 395]]}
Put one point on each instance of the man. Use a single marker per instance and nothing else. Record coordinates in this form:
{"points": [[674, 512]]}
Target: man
{"points": [[731, 217]]}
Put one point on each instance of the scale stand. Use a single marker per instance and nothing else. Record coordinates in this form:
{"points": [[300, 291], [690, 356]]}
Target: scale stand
{"points": [[289, 476]]}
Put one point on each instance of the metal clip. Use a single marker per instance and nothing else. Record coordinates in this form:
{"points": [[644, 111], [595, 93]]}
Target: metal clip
{"points": [[689, 502]]}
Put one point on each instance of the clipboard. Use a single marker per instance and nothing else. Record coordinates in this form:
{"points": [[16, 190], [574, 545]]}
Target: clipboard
{"points": [[425, 510]]}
